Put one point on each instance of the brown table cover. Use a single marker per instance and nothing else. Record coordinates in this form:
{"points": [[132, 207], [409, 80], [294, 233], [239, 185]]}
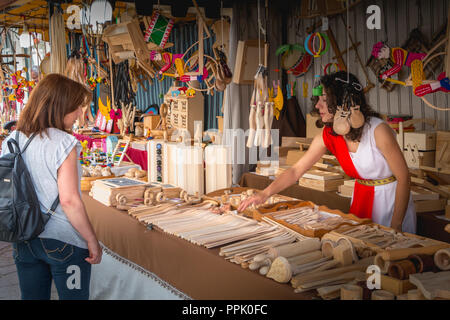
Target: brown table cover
{"points": [[427, 224], [196, 271]]}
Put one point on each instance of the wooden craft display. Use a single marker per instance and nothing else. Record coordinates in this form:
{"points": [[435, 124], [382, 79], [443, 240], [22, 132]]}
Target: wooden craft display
{"points": [[106, 190], [244, 252], [200, 226], [306, 218], [373, 239], [184, 110]]}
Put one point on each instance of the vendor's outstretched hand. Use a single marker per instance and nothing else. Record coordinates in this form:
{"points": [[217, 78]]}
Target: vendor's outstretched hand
{"points": [[256, 199]]}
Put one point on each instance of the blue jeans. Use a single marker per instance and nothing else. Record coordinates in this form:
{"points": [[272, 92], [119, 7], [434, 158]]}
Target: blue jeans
{"points": [[40, 260]]}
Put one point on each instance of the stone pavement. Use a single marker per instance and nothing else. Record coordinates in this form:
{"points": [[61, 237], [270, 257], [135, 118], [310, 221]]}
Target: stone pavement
{"points": [[9, 282]]}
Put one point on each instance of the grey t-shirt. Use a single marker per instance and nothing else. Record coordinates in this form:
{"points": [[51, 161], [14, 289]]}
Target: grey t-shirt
{"points": [[43, 157]]}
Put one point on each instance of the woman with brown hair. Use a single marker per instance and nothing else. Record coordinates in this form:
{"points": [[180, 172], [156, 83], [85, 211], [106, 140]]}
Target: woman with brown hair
{"points": [[68, 246], [367, 150]]}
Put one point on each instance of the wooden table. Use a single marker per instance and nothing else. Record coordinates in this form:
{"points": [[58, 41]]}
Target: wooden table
{"points": [[196, 271]]}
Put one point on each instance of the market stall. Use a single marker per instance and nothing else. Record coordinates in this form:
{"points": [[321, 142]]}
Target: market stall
{"points": [[198, 108]]}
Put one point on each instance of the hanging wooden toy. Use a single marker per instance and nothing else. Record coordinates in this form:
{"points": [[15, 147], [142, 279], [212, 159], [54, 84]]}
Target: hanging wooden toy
{"points": [[159, 29], [401, 58]]}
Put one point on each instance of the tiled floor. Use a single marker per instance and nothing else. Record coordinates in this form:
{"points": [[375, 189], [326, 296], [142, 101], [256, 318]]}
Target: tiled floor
{"points": [[9, 282]]}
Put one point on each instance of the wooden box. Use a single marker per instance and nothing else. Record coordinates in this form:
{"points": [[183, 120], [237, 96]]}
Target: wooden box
{"points": [[311, 128], [443, 150], [415, 159], [321, 180], [293, 156], [395, 286], [421, 140], [321, 185], [151, 121], [272, 211], [420, 193], [430, 205], [106, 190]]}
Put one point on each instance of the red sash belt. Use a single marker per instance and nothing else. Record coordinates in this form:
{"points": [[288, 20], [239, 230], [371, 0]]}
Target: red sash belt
{"points": [[362, 195]]}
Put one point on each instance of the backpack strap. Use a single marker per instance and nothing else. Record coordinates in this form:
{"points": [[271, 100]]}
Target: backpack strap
{"points": [[15, 142], [55, 204]]}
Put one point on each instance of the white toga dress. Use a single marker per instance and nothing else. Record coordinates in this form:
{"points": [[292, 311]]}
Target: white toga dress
{"points": [[371, 164]]}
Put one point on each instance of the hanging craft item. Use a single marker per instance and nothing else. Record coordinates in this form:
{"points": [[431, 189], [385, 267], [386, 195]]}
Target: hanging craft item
{"points": [[318, 87], [311, 42], [294, 59], [305, 89], [58, 57], [159, 29], [16, 90], [328, 68], [401, 57]]}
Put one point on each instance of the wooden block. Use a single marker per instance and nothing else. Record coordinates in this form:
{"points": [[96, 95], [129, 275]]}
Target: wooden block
{"points": [[293, 156], [396, 286], [321, 185], [430, 205], [420, 193], [345, 191], [151, 121], [322, 175], [422, 140], [443, 149], [311, 128], [350, 183]]}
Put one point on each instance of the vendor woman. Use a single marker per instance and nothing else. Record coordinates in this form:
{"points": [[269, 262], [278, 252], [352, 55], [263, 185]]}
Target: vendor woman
{"points": [[367, 152]]}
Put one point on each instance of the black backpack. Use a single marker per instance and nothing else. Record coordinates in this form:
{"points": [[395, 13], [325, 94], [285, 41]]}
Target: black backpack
{"points": [[21, 217]]}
